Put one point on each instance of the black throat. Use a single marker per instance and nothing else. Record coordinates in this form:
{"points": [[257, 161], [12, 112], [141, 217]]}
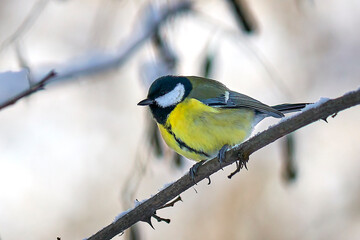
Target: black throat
{"points": [[160, 114]]}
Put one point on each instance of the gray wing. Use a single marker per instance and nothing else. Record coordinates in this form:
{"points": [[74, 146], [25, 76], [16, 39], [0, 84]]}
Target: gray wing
{"points": [[231, 99]]}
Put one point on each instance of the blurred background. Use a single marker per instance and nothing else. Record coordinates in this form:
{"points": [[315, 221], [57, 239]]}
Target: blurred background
{"points": [[74, 156]]}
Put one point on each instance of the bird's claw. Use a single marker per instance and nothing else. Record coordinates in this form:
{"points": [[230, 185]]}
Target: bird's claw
{"points": [[222, 154], [194, 169]]}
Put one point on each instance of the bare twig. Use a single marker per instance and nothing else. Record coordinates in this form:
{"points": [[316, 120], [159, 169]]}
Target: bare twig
{"points": [[240, 153], [172, 203], [37, 86]]}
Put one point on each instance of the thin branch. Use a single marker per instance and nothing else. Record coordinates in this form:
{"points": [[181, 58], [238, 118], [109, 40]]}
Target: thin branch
{"points": [[241, 153], [172, 203], [37, 86]]}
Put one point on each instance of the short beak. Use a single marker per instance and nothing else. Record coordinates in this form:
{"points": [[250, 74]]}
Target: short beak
{"points": [[145, 102]]}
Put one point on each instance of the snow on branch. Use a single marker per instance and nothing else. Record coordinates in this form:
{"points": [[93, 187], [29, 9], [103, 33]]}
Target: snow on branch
{"points": [[101, 61], [14, 86], [240, 155]]}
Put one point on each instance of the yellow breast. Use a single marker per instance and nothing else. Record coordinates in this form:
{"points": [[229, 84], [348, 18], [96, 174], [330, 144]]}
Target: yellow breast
{"points": [[198, 131]]}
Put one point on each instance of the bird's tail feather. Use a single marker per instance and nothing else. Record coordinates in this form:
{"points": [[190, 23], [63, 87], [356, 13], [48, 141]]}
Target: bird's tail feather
{"points": [[283, 108], [288, 108]]}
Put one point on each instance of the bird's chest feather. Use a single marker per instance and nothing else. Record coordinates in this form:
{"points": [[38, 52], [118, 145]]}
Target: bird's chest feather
{"points": [[198, 131]]}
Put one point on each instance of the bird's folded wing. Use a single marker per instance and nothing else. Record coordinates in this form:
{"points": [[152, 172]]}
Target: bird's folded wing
{"points": [[231, 99]]}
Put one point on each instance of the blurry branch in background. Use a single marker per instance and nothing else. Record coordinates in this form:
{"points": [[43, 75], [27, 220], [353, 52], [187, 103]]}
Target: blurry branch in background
{"points": [[247, 24], [22, 60], [88, 64], [166, 53], [289, 165], [239, 155], [243, 15], [27, 23], [273, 78], [103, 23], [169, 60], [164, 63], [34, 88], [207, 63]]}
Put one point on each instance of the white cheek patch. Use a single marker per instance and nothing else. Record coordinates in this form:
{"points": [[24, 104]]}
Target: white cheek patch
{"points": [[171, 98]]}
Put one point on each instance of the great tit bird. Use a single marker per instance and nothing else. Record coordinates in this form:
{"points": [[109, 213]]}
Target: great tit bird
{"points": [[201, 118]]}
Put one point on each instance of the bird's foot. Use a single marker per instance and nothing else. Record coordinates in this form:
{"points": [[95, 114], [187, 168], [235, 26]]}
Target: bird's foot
{"points": [[194, 169], [222, 154]]}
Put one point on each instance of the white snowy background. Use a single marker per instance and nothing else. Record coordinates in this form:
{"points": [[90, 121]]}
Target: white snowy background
{"points": [[66, 152]]}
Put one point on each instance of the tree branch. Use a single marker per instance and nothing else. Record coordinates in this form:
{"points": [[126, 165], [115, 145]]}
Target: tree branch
{"points": [[144, 210], [96, 62], [101, 61], [37, 86]]}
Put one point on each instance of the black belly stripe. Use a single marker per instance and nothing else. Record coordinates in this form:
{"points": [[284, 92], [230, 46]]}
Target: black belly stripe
{"points": [[184, 145]]}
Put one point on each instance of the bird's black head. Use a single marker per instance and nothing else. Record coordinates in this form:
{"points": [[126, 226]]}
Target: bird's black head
{"points": [[164, 94]]}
